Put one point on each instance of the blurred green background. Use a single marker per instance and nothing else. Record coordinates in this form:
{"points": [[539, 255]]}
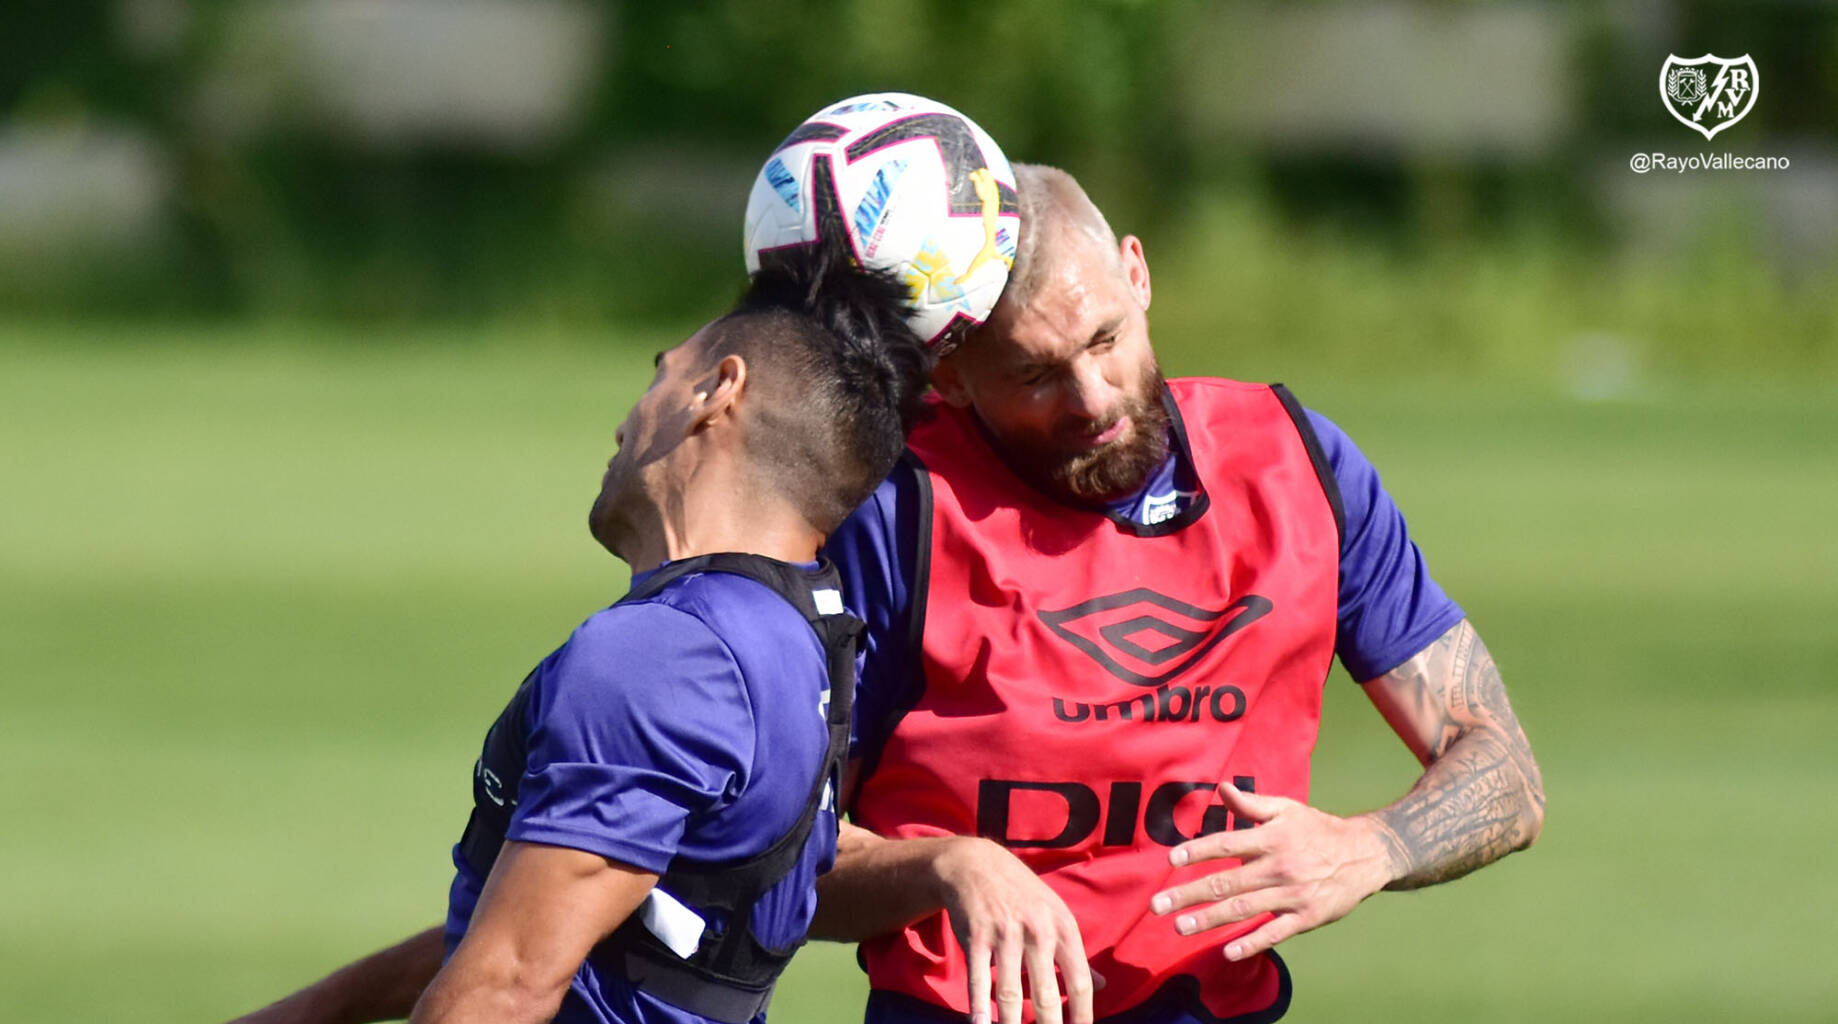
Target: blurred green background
{"points": [[316, 319]]}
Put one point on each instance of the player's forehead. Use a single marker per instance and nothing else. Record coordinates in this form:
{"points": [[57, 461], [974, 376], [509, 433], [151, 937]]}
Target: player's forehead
{"points": [[1075, 299], [687, 350]]}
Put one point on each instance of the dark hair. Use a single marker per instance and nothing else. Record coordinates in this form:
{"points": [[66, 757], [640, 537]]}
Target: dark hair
{"points": [[838, 372]]}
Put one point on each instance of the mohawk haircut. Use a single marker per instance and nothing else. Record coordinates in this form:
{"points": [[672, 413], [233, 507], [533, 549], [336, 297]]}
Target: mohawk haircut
{"points": [[838, 373]]}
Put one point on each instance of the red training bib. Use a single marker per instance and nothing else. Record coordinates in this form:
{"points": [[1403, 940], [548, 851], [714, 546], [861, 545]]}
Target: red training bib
{"points": [[1088, 681]]}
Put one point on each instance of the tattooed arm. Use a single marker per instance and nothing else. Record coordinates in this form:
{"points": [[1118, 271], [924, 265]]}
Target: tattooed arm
{"points": [[1480, 798]]}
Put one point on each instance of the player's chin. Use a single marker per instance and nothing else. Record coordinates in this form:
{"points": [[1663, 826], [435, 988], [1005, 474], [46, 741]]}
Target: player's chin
{"points": [[603, 517], [1092, 479], [597, 523], [1111, 472]]}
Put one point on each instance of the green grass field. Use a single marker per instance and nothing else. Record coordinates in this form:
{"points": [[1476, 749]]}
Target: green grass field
{"points": [[261, 593]]}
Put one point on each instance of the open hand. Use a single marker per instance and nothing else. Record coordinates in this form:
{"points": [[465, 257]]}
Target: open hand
{"points": [[1003, 913], [1305, 866]]}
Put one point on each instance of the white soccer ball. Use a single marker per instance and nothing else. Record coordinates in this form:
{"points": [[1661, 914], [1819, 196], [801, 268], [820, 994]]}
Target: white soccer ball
{"points": [[914, 187]]}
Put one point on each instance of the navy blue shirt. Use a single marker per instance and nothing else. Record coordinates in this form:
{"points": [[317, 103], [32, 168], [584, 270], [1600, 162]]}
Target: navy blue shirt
{"points": [[1388, 606], [689, 723]]}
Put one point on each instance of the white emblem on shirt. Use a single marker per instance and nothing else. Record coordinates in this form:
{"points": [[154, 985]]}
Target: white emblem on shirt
{"points": [[1159, 508]]}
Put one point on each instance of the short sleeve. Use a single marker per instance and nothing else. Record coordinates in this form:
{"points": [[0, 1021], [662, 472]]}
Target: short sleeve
{"points": [[1389, 606], [639, 723]]}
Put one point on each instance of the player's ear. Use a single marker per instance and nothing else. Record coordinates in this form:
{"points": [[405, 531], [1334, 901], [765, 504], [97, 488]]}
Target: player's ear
{"points": [[717, 393], [1135, 269], [948, 379]]}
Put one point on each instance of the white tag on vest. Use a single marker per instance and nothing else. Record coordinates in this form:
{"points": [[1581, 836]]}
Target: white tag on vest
{"points": [[674, 924]]}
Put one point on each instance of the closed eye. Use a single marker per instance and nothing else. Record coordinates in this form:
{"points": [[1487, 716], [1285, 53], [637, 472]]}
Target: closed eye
{"points": [[1106, 335]]}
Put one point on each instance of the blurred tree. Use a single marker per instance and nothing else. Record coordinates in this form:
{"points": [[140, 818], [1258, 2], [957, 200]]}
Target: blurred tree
{"points": [[295, 215]]}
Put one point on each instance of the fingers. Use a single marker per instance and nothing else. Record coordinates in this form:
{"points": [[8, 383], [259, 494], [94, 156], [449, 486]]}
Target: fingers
{"points": [[1008, 980], [1038, 957], [977, 951], [1042, 985], [1015, 931], [1221, 885], [1238, 908], [1242, 845], [1079, 979], [1238, 842], [1278, 929], [1251, 806]]}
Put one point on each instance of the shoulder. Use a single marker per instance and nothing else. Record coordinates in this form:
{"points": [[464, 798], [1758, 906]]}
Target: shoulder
{"points": [[874, 532], [646, 659], [640, 681], [720, 602], [884, 504], [696, 619], [1224, 387], [1185, 387], [656, 629], [1389, 606], [1361, 492], [643, 721], [1343, 456], [1206, 400]]}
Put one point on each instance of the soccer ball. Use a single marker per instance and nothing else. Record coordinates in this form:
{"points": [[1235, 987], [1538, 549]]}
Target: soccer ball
{"points": [[912, 186]]}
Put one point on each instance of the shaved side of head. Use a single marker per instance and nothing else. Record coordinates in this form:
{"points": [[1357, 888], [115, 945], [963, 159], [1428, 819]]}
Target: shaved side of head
{"points": [[838, 377]]}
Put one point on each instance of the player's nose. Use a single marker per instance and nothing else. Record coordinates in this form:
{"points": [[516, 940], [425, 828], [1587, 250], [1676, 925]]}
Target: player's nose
{"points": [[1089, 395]]}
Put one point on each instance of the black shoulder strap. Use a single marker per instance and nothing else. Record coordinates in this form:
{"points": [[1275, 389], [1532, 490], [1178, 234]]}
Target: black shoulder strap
{"points": [[788, 581], [1330, 485]]}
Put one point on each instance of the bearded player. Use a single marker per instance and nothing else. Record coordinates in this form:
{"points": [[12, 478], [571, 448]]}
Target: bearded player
{"points": [[1100, 611]]}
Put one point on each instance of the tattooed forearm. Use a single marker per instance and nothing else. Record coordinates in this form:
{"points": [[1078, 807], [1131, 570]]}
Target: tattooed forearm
{"points": [[1481, 796], [1471, 808]]}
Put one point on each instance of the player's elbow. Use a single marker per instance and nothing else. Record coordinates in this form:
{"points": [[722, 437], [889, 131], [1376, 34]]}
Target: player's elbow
{"points": [[498, 988], [531, 996], [1532, 815], [535, 991]]}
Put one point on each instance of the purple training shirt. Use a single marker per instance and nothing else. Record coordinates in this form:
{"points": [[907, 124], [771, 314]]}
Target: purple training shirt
{"points": [[689, 724]]}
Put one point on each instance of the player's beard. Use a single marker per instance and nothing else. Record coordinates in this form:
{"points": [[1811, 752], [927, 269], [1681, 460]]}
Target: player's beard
{"points": [[1093, 476]]}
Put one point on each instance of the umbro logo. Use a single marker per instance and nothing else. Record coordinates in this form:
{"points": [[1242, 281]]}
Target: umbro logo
{"points": [[1145, 638]]}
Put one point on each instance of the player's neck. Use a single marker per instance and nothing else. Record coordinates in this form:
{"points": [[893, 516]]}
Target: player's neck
{"points": [[716, 517]]}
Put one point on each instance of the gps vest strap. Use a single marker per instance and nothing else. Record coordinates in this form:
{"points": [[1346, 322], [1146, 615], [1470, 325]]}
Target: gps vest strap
{"points": [[730, 976]]}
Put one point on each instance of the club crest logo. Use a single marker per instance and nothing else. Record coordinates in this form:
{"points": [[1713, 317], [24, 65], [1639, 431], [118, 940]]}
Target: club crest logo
{"points": [[1709, 93]]}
